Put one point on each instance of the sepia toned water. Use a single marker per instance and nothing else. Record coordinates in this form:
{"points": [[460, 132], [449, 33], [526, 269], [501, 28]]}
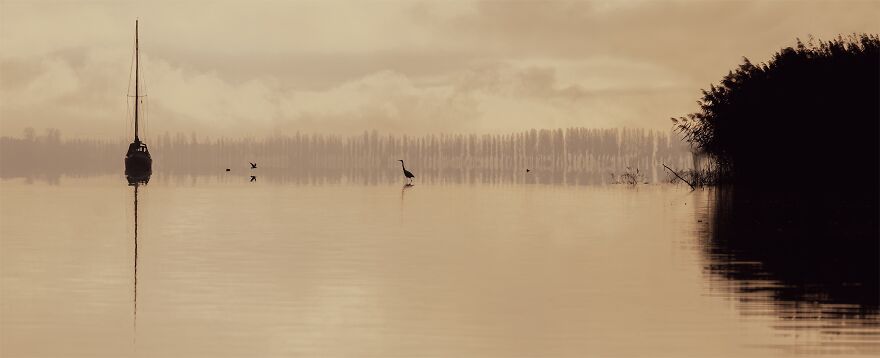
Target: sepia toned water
{"points": [[226, 267]]}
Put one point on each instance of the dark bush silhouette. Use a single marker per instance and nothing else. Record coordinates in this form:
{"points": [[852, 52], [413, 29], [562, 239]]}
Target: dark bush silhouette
{"points": [[798, 139], [813, 109]]}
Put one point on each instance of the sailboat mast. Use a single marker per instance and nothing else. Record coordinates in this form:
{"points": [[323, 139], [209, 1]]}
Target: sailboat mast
{"points": [[137, 98]]}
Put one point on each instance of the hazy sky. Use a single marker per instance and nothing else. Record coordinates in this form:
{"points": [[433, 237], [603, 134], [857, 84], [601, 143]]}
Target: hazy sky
{"points": [[262, 67]]}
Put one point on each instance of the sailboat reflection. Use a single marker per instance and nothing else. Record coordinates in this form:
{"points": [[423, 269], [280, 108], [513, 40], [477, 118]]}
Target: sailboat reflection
{"points": [[136, 183]]}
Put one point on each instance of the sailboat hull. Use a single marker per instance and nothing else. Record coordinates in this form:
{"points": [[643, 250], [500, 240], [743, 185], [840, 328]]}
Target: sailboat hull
{"points": [[138, 163]]}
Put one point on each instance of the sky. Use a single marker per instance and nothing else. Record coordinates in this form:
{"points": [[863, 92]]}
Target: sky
{"points": [[260, 68]]}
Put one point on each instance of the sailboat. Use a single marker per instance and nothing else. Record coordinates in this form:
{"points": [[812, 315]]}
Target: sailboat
{"points": [[138, 163]]}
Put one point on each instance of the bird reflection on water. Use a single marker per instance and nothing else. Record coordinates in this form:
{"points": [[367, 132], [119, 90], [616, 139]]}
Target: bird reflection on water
{"points": [[403, 190]]}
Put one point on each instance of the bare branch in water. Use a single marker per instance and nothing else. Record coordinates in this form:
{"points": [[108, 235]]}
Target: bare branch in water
{"points": [[679, 177]]}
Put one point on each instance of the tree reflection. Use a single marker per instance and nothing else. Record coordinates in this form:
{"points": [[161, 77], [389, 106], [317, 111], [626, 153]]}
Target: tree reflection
{"points": [[812, 266]]}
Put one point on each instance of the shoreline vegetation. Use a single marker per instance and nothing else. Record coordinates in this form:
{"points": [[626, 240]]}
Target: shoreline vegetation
{"points": [[811, 106], [794, 159]]}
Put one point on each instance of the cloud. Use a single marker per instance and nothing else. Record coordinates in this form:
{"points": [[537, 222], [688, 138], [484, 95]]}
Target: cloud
{"points": [[483, 66], [489, 97]]}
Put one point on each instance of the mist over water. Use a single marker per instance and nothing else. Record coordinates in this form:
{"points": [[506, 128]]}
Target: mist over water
{"points": [[571, 156]]}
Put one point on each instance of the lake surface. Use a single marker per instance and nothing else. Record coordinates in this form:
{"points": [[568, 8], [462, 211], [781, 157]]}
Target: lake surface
{"points": [[225, 267]]}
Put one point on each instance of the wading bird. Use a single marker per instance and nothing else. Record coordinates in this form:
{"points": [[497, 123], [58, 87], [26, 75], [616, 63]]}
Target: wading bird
{"points": [[406, 173]]}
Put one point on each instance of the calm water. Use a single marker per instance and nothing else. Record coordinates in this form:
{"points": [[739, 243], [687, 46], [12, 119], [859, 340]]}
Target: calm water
{"points": [[231, 268]]}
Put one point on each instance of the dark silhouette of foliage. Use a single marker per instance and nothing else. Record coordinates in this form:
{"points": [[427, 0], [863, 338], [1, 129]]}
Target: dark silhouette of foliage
{"points": [[812, 108], [798, 138]]}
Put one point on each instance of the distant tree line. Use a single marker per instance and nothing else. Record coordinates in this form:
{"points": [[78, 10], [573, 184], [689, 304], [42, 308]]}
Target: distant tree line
{"points": [[561, 155], [49, 155]]}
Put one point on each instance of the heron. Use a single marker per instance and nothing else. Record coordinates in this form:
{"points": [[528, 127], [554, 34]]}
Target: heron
{"points": [[406, 173], [253, 165]]}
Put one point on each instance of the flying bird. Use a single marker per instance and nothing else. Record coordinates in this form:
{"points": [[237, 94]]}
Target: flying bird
{"points": [[253, 165], [528, 170], [253, 178], [406, 173], [227, 169]]}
